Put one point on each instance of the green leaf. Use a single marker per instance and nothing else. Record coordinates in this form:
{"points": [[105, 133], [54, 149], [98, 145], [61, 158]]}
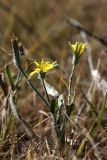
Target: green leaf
{"points": [[81, 147], [7, 127], [16, 51], [54, 106], [100, 115], [9, 75]]}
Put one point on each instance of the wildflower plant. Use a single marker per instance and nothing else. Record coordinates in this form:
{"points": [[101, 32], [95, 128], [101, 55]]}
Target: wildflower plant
{"points": [[59, 118]]}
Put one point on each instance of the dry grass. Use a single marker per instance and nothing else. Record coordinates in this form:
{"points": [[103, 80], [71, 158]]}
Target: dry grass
{"points": [[42, 28]]}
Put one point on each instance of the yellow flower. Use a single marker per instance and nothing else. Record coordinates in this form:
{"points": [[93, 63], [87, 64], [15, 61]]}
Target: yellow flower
{"points": [[42, 67], [78, 48]]}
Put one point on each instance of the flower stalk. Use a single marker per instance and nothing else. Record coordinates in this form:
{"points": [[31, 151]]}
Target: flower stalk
{"points": [[42, 68], [43, 83], [70, 84], [77, 50]]}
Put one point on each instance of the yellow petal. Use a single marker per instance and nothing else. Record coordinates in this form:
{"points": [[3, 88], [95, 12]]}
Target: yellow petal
{"points": [[32, 73], [78, 47], [36, 63], [42, 67], [83, 46]]}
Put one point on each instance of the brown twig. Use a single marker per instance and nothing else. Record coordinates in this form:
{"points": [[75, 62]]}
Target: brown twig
{"points": [[79, 27]]}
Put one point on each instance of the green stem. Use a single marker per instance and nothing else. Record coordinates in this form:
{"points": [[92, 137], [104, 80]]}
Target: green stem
{"points": [[70, 84], [32, 86], [45, 89]]}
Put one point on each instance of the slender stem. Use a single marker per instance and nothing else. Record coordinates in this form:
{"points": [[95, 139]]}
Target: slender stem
{"points": [[32, 86], [70, 84], [45, 89]]}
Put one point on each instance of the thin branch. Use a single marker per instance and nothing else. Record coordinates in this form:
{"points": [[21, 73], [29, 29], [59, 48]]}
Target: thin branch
{"points": [[79, 27]]}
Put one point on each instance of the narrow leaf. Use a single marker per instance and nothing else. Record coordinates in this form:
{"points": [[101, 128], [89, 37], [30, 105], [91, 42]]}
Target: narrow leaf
{"points": [[100, 116], [9, 75]]}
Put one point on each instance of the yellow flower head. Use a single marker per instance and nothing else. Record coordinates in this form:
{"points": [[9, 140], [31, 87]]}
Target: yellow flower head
{"points": [[42, 67], [78, 48]]}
